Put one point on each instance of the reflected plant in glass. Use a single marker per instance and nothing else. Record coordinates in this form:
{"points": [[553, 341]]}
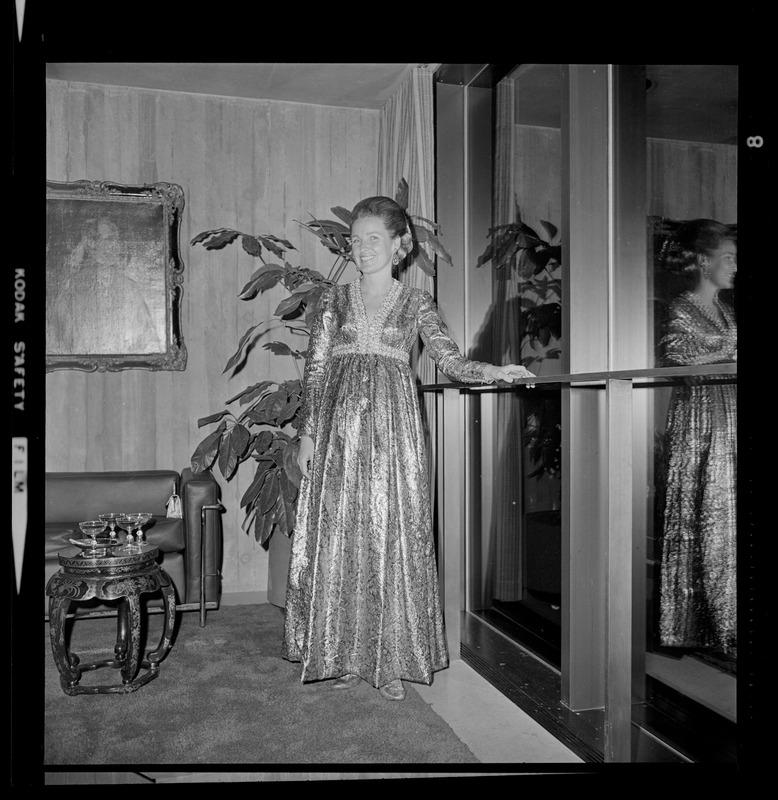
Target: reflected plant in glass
{"points": [[519, 248]]}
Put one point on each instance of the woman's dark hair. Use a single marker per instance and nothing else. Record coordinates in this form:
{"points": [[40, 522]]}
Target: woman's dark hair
{"points": [[393, 216], [697, 237]]}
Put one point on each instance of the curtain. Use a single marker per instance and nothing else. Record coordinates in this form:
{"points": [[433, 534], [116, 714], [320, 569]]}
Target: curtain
{"points": [[406, 149]]}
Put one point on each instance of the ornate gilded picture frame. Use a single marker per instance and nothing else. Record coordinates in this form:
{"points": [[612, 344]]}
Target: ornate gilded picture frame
{"points": [[114, 276]]}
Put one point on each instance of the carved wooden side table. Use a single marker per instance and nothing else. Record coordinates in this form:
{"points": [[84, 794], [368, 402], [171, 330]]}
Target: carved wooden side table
{"points": [[123, 575]]}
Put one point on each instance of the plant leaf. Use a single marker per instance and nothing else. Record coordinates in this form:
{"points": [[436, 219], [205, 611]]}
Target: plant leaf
{"points": [[250, 392], [288, 305], [485, 257], [236, 356], [325, 239], [221, 239], [279, 348], [263, 441], [232, 449], [312, 305], [330, 226], [201, 237], [251, 245], [422, 260], [285, 242], [248, 519], [343, 214], [262, 280], [212, 418], [438, 248], [263, 527], [291, 467], [268, 495], [550, 229], [269, 243], [251, 494], [206, 452], [266, 411], [401, 195], [288, 497], [288, 411], [294, 387]]}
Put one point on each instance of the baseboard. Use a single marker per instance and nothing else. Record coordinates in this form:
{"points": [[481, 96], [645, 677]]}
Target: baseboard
{"points": [[243, 598]]}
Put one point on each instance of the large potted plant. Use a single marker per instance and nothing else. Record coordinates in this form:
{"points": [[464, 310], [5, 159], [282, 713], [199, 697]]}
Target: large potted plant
{"points": [[536, 261], [258, 426]]}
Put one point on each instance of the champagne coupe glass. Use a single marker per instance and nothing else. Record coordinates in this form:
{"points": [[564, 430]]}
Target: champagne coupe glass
{"points": [[92, 527], [143, 518], [110, 518], [129, 522]]}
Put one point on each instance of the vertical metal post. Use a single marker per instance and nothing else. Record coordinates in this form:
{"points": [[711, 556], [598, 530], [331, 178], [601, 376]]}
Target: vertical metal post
{"points": [[203, 542], [618, 656], [451, 561], [586, 232]]}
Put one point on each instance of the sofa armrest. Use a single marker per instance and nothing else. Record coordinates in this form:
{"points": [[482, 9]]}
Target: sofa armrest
{"points": [[201, 508]]}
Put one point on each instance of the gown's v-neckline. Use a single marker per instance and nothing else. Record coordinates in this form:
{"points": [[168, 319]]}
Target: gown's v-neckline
{"points": [[383, 310]]}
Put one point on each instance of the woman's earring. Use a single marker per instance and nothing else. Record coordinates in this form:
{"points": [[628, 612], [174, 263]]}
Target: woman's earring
{"points": [[396, 259]]}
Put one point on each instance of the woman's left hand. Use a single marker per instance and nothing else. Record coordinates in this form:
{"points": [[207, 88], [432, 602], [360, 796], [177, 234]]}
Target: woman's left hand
{"points": [[508, 373]]}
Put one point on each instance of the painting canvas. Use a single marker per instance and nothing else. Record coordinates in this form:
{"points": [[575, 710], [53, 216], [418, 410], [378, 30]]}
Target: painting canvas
{"points": [[113, 276]]}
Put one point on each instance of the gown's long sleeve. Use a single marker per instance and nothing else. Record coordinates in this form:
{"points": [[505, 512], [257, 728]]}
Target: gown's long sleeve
{"points": [[319, 346], [443, 349]]}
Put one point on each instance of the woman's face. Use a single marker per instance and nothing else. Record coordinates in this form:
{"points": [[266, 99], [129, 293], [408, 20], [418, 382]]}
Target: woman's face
{"points": [[721, 265], [372, 246]]}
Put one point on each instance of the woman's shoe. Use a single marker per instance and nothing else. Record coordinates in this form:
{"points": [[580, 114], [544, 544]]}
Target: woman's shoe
{"points": [[394, 690], [346, 682]]}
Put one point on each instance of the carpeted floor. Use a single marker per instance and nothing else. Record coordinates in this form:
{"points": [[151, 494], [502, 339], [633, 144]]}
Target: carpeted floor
{"points": [[225, 696]]}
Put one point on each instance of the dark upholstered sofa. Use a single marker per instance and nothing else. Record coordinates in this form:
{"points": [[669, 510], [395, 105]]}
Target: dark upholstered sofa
{"points": [[190, 546]]}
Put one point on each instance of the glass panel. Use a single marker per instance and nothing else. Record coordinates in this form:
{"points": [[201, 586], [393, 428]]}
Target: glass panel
{"points": [[523, 248], [691, 151], [691, 625], [675, 307], [514, 553], [514, 566]]}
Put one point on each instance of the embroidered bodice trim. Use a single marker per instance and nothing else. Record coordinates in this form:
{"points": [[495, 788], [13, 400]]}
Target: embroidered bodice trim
{"points": [[368, 338], [723, 321], [373, 348]]}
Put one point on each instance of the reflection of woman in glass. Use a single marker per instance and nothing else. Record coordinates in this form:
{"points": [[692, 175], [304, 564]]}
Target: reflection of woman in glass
{"points": [[698, 595]]}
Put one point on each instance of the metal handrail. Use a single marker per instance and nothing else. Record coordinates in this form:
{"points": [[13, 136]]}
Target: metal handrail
{"points": [[591, 377]]}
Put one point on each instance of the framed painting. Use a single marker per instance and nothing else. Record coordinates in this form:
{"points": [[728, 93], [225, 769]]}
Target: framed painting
{"points": [[114, 276]]}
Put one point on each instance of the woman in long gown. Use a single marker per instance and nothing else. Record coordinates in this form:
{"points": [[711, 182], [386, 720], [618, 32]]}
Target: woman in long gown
{"points": [[362, 595], [698, 569]]}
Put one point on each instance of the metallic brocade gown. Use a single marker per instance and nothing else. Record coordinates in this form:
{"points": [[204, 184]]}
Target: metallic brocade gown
{"points": [[362, 594], [698, 588]]}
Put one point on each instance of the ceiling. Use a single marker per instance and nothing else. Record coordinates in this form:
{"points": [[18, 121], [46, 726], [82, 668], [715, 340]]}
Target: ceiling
{"points": [[687, 102], [352, 85]]}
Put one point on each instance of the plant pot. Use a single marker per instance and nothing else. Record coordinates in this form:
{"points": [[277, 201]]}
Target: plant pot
{"points": [[543, 551], [279, 552]]}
